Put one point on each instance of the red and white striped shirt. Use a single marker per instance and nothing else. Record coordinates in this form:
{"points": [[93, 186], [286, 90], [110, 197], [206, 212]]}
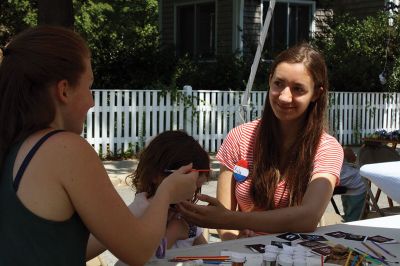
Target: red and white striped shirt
{"points": [[239, 145]]}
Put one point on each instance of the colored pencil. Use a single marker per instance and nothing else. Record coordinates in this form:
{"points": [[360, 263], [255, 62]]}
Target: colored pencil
{"points": [[216, 262], [360, 260], [382, 248], [348, 258], [202, 257], [354, 260], [370, 257], [377, 253]]}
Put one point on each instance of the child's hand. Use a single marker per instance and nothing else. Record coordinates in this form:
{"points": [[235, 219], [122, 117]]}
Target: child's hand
{"points": [[181, 184]]}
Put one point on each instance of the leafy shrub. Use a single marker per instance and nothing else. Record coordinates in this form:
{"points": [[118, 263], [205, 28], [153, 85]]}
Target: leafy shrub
{"points": [[124, 40], [225, 73], [356, 52], [15, 16], [394, 78]]}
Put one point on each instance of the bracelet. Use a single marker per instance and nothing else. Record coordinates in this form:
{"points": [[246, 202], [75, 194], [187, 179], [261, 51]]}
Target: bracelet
{"points": [[192, 230], [160, 253]]}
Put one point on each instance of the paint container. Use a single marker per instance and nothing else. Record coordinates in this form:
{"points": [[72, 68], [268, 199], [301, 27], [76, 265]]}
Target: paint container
{"points": [[284, 260], [271, 248], [287, 250], [238, 260], [269, 259], [298, 261]]}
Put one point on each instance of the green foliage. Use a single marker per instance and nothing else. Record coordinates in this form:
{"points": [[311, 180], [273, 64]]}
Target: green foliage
{"points": [[355, 52], [226, 72], [126, 50], [124, 40], [15, 16], [130, 153], [394, 78]]}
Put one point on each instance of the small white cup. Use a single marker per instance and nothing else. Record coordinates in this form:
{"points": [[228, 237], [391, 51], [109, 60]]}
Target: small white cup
{"points": [[285, 260]]}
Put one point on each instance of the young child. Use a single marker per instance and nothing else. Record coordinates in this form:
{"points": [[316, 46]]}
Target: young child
{"points": [[165, 153]]}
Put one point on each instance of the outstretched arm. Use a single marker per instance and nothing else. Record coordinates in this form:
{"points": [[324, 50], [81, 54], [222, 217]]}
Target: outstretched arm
{"points": [[226, 195], [93, 196], [301, 218]]}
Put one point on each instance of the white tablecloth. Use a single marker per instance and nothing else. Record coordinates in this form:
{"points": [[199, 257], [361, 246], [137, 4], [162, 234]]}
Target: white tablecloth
{"points": [[388, 226], [385, 176]]}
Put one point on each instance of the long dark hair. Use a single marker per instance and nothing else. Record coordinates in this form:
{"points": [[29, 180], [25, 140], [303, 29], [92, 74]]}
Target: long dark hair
{"points": [[299, 163], [167, 151], [33, 61]]}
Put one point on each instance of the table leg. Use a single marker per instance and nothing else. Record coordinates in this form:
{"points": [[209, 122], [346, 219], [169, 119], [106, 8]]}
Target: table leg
{"points": [[370, 198], [390, 202]]}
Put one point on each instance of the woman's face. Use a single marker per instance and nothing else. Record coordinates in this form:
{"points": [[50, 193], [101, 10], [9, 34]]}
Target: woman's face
{"points": [[82, 100], [291, 91]]}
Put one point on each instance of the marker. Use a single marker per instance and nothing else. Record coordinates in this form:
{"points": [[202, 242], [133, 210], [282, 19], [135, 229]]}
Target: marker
{"points": [[387, 252], [211, 258], [377, 253], [371, 257], [348, 258]]}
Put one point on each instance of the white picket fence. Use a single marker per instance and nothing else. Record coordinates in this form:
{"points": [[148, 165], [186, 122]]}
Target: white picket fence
{"points": [[126, 119]]}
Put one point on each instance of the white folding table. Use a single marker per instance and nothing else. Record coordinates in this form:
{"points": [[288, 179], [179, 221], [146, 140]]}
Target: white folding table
{"points": [[386, 176]]}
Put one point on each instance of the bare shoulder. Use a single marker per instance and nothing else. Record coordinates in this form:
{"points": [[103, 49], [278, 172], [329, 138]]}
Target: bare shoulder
{"points": [[68, 143], [70, 152]]}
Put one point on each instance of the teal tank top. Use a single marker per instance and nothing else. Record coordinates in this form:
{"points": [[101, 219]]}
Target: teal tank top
{"points": [[25, 238]]}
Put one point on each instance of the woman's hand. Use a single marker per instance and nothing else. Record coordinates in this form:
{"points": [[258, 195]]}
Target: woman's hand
{"points": [[181, 184], [213, 215]]}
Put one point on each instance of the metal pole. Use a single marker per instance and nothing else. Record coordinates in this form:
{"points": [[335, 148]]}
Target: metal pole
{"points": [[245, 98]]}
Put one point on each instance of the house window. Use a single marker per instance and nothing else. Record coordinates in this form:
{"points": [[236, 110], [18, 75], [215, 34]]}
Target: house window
{"points": [[291, 23], [195, 30]]}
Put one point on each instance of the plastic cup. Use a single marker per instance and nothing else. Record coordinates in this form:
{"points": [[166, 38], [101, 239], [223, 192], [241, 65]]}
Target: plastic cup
{"points": [[271, 248], [287, 249], [285, 260], [238, 260], [299, 262], [269, 259]]}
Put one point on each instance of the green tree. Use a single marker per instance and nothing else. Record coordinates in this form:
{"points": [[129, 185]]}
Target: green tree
{"points": [[123, 36], [124, 39], [358, 51], [15, 16]]}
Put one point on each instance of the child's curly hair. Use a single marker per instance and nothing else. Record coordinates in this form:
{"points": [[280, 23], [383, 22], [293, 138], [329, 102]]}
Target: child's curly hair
{"points": [[167, 151]]}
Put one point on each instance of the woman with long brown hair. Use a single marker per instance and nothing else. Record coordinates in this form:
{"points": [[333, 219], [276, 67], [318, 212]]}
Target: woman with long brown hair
{"points": [[277, 173], [54, 190]]}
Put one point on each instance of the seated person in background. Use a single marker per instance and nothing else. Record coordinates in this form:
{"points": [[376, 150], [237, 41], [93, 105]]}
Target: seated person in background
{"points": [[350, 178], [165, 153]]}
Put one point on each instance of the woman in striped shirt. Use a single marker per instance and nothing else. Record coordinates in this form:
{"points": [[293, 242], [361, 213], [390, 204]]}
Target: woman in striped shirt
{"points": [[277, 173]]}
